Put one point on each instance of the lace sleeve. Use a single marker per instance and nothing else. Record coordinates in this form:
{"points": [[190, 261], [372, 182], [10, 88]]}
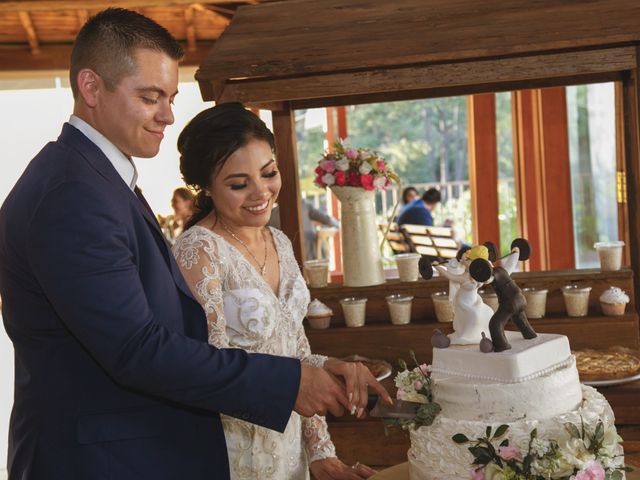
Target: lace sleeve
{"points": [[315, 432], [197, 257]]}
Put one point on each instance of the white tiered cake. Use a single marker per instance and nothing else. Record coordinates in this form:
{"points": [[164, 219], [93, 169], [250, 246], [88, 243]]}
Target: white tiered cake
{"points": [[534, 385]]}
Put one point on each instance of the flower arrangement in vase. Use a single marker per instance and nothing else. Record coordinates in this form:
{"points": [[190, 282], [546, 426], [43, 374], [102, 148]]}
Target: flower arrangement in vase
{"points": [[353, 174]]}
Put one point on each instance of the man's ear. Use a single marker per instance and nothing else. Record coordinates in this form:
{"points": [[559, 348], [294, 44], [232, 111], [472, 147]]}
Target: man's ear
{"points": [[89, 86]]}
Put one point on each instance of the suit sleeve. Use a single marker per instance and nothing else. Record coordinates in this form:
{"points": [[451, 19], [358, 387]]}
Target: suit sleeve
{"points": [[81, 254]]}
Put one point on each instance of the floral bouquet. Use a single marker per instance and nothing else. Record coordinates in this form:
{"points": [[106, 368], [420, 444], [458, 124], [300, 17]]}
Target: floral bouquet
{"points": [[582, 453], [415, 386], [351, 167]]}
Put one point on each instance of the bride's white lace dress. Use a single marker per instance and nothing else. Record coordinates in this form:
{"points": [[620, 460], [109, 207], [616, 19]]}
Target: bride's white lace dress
{"points": [[243, 312]]}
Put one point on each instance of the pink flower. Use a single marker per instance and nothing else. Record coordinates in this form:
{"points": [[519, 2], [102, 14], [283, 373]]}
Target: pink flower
{"points": [[592, 471], [509, 453], [318, 181], [367, 181], [354, 179], [341, 178], [418, 385], [477, 474], [380, 165], [424, 368], [328, 165], [351, 153], [400, 394]]}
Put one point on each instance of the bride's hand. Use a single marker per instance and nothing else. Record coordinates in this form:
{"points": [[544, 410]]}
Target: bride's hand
{"points": [[357, 379], [334, 469]]}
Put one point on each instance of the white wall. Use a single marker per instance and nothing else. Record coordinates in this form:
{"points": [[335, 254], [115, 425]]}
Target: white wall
{"points": [[34, 107]]}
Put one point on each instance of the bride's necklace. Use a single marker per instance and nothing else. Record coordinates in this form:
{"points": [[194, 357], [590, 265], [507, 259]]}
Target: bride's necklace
{"points": [[263, 266]]}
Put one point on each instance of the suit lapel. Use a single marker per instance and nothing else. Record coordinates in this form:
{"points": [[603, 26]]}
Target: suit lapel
{"points": [[101, 163]]}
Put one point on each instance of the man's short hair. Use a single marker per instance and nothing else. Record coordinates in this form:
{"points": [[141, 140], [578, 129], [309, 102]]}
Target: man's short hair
{"points": [[107, 43], [431, 196]]}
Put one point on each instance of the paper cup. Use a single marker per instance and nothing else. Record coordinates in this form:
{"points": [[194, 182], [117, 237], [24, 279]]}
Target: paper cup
{"points": [[490, 298], [442, 306], [399, 308], [576, 300], [610, 254], [317, 272], [354, 311], [536, 302], [408, 266]]}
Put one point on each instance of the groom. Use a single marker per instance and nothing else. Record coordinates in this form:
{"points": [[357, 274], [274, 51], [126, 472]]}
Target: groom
{"points": [[113, 375]]}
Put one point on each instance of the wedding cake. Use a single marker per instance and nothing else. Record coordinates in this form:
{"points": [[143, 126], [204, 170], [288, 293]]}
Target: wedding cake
{"points": [[534, 385], [510, 407]]}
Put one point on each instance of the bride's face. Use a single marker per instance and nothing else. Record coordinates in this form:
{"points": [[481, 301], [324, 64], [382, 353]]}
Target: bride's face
{"points": [[247, 185]]}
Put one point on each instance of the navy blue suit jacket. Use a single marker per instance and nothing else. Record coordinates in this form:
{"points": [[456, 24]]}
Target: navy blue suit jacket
{"points": [[415, 213], [113, 375]]}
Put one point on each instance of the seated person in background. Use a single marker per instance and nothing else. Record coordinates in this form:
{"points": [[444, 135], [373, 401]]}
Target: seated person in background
{"points": [[409, 194], [182, 204], [309, 215], [418, 212]]}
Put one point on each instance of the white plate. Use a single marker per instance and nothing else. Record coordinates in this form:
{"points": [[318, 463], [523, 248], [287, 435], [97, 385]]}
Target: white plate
{"points": [[613, 381]]}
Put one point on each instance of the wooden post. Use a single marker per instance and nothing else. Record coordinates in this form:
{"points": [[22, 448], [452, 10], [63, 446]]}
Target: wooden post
{"points": [[528, 177], [335, 210], [289, 199], [630, 94], [483, 168], [556, 176], [621, 175]]}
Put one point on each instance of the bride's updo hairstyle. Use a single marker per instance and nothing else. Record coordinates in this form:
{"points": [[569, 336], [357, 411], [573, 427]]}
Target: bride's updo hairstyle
{"points": [[207, 141]]}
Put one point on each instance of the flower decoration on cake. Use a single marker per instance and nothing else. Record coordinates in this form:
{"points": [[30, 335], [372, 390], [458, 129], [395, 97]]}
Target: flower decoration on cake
{"points": [[354, 167], [415, 386], [583, 453]]}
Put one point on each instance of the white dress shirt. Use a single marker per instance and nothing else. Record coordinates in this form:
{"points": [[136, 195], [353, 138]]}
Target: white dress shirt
{"points": [[123, 164]]}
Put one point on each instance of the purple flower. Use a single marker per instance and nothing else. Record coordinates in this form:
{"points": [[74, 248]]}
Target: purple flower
{"points": [[509, 453]]}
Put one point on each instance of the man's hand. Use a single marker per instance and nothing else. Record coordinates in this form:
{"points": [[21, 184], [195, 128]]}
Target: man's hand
{"points": [[319, 392], [357, 378]]}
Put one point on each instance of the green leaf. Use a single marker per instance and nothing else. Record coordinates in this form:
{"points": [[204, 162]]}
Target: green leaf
{"points": [[488, 431], [617, 475], [599, 434], [505, 443], [501, 430], [482, 454], [402, 363], [460, 438], [427, 413], [573, 430], [534, 434]]}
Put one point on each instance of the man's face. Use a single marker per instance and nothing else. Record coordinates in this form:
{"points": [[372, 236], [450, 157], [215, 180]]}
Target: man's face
{"points": [[134, 115]]}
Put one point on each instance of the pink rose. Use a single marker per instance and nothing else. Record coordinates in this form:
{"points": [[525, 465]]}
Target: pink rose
{"points": [[318, 181], [354, 178], [477, 474], [351, 153], [328, 165], [400, 394], [380, 165], [341, 178], [424, 368], [367, 181], [319, 170], [509, 453], [592, 471], [418, 385]]}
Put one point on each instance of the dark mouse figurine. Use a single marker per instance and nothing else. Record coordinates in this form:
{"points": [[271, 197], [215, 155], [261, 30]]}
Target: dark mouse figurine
{"points": [[511, 306]]}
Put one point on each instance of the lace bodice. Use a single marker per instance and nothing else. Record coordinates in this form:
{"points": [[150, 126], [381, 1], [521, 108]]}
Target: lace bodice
{"points": [[243, 312]]}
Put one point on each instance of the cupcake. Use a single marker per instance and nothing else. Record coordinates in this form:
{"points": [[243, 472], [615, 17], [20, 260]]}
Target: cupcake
{"points": [[319, 315], [613, 301]]}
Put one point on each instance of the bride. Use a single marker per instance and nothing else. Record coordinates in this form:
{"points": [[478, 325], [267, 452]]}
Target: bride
{"points": [[246, 278]]}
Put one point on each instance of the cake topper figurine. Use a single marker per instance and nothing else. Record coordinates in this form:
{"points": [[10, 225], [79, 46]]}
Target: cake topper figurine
{"points": [[472, 317]]}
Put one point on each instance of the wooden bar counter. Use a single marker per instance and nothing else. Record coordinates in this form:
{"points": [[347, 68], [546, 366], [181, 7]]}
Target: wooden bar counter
{"points": [[365, 440]]}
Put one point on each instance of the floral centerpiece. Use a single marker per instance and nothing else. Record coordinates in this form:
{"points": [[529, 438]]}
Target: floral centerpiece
{"points": [[353, 174], [583, 453], [354, 167]]}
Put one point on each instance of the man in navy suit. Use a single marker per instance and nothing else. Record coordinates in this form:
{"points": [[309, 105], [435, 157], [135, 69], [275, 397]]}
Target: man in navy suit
{"points": [[113, 375]]}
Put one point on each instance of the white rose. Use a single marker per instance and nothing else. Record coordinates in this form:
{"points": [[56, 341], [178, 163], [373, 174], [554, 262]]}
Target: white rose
{"points": [[328, 179], [343, 164], [365, 168], [380, 181], [415, 397], [575, 453], [610, 442]]}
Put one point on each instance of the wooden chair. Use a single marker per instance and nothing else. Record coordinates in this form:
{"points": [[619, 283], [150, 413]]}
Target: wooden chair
{"points": [[396, 238], [435, 242]]}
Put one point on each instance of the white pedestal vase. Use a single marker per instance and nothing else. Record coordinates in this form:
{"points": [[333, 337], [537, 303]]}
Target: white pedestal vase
{"points": [[361, 262]]}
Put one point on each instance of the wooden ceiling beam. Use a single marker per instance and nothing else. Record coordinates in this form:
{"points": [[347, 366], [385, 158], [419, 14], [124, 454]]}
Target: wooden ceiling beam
{"points": [[25, 20], [49, 5], [189, 15]]}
